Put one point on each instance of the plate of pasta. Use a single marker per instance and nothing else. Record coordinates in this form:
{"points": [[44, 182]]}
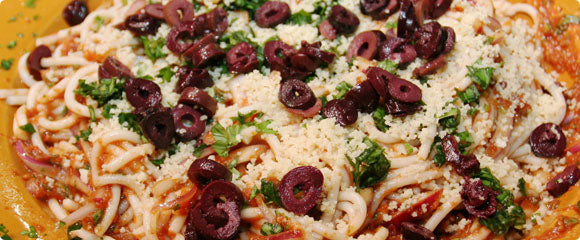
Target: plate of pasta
{"points": [[290, 119]]}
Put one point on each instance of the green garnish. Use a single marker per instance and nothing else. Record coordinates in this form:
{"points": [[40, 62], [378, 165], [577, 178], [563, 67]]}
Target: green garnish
{"points": [[28, 128], [300, 18], [342, 88], [102, 91], [7, 63], [153, 47], [379, 118], [371, 166], [271, 229]]}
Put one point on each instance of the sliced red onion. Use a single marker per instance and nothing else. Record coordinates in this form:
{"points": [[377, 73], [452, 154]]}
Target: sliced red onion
{"points": [[181, 201]]}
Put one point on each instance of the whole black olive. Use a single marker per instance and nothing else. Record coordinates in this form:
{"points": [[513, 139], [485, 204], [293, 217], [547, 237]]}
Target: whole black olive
{"points": [[203, 171], [272, 13], [188, 123], [157, 125], [33, 60], [296, 94], [343, 20], [343, 111], [142, 93], [306, 178], [75, 12], [548, 140]]}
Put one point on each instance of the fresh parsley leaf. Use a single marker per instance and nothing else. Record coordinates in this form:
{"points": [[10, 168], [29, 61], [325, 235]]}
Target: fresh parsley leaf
{"points": [[75, 226], [263, 127], [84, 134], [4, 232], [102, 91], [131, 122], [30, 3], [97, 216], [508, 213], [255, 192], [99, 21], [225, 138], [7, 63], [451, 119], [371, 166], [391, 25], [322, 7], [481, 76], [271, 229], [469, 95], [92, 114], [11, 44], [472, 111], [107, 110], [232, 167], [439, 158], [408, 148], [28, 128], [300, 18], [31, 232], [465, 140], [271, 195], [216, 94], [522, 187], [342, 88], [166, 73], [197, 150], [260, 127], [158, 162], [153, 47], [249, 5], [488, 41], [379, 118], [389, 66]]}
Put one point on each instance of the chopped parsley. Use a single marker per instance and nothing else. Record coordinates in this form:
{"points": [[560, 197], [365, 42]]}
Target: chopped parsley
{"points": [[92, 114], [391, 25], [439, 157], [465, 140], [342, 88], [480, 76], [153, 47], [488, 41], [271, 229], [131, 122], [379, 118], [30, 3], [11, 44], [371, 166], [232, 167], [469, 95], [158, 162], [165, 74], [522, 187], [197, 150], [28, 128], [300, 18], [4, 232], [249, 5], [7, 63], [99, 21], [31, 232], [107, 110], [267, 188], [75, 226], [84, 134], [451, 119], [389, 66], [321, 8], [408, 148], [225, 138], [565, 21], [101, 91], [472, 111], [97, 216], [508, 213]]}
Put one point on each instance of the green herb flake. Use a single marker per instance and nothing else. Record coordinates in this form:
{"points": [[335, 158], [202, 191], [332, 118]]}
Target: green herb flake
{"points": [[36, 17], [92, 114], [99, 21], [198, 150], [158, 162], [97, 216], [379, 118], [31, 232], [232, 167], [578, 205], [107, 110], [570, 221], [12, 44], [84, 134], [451, 119], [30, 3], [271, 195], [225, 138], [391, 25], [255, 192], [74, 227], [28, 128], [12, 19], [481, 76], [129, 121], [408, 148], [469, 95], [472, 111], [300, 18], [271, 229], [249, 5], [342, 88], [508, 214], [153, 47], [389, 66], [371, 166], [565, 21], [165, 74], [4, 232], [488, 41], [101, 91], [522, 187]]}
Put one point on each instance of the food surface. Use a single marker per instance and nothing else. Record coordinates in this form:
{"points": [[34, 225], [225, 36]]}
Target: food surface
{"points": [[313, 119]]}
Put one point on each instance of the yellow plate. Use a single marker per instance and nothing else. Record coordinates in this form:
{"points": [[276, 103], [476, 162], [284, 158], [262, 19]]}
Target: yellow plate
{"points": [[21, 21]]}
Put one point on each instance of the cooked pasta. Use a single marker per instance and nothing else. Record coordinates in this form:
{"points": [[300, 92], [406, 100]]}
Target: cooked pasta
{"points": [[120, 168]]}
